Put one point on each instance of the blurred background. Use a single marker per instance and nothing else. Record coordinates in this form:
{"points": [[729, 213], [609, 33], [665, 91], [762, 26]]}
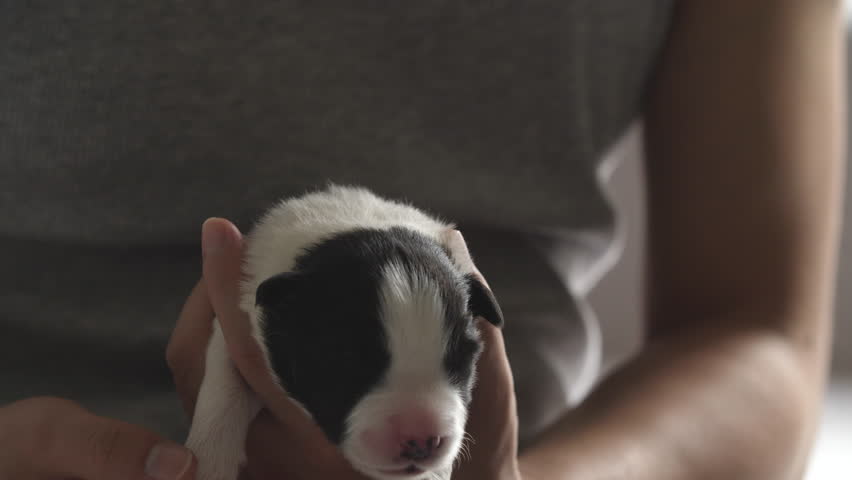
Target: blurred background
{"points": [[621, 320]]}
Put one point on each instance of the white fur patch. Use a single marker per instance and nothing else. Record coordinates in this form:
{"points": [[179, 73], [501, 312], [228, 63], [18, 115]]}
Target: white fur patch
{"points": [[413, 314], [223, 412], [282, 234]]}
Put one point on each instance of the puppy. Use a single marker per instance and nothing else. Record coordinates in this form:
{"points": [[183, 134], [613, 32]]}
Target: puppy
{"points": [[365, 310]]}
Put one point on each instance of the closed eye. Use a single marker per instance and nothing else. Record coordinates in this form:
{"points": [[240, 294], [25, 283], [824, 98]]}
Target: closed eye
{"points": [[460, 359]]}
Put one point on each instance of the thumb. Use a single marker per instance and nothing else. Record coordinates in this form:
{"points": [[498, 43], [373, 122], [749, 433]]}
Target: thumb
{"points": [[493, 422], [222, 248], [85, 446]]}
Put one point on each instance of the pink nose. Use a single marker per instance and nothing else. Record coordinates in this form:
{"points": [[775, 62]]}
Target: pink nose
{"points": [[419, 449], [414, 435]]}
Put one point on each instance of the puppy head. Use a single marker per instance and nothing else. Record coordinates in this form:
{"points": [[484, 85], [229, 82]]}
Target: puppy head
{"points": [[373, 333]]}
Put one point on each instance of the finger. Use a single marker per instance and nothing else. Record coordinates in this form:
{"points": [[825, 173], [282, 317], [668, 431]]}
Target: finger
{"points": [[73, 442], [492, 424], [493, 364], [494, 383], [222, 247], [186, 352]]}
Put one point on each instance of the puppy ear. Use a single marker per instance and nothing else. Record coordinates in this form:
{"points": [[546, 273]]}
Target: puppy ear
{"points": [[277, 289], [482, 302]]}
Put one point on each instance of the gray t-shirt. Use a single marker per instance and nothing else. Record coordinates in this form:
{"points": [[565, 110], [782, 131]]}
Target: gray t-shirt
{"points": [[124, 124]]}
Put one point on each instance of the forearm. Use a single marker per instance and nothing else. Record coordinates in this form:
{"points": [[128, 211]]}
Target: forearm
{"points": [[744, 147], [723, 404]]}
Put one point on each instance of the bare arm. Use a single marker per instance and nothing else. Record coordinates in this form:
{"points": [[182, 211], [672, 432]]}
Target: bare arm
{"points": [[744, 137]]}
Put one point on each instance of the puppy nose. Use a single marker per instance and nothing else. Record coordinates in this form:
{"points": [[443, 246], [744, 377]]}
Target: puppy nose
{"points": [[419, 449]]}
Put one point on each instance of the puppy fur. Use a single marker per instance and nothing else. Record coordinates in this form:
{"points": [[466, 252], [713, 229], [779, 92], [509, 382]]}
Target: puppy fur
{"points": [[361, 305]]}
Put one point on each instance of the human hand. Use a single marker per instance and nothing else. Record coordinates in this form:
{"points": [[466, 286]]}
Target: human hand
{"points": [[48, 438], [492, 452], [283, 441]]}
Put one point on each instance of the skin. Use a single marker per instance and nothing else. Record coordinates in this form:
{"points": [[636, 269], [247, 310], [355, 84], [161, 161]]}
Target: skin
{"points": [[744, 136], [48, 438]]}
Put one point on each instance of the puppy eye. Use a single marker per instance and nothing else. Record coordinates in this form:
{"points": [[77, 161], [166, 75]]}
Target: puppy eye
{"points": [[467, 349], [460, 362]]}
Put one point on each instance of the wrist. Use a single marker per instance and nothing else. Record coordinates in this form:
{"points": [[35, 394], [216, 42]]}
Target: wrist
{"points": [[526, 472], [508, 470], [496, 471]]}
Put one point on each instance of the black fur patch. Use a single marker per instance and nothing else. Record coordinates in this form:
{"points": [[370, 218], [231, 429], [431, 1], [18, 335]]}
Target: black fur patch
{"points": [[482, 302], [323, 327]]}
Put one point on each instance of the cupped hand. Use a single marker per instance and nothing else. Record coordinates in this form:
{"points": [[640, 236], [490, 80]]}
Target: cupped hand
{"points": [[492, 425], [283, 442], [48, 438]]}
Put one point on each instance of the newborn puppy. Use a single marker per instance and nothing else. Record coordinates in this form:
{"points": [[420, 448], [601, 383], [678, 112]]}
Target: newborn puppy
{"points": [[365, 309]]}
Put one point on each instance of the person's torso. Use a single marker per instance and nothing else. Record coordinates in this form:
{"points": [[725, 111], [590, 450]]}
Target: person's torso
{"points": [[124, 124]]}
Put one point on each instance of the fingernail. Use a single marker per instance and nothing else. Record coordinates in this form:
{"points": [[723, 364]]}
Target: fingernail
{"points": [[168, 462], [212, 239]]}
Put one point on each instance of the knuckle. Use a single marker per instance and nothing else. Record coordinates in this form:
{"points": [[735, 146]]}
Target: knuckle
{"points": [[247, 353], [182, 379], [174, 356], [182, 367], [103, 444], [244, 357]]}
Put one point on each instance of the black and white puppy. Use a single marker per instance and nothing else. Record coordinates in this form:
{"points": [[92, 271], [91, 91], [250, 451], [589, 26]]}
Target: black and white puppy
{"points": [[365, 309]]}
